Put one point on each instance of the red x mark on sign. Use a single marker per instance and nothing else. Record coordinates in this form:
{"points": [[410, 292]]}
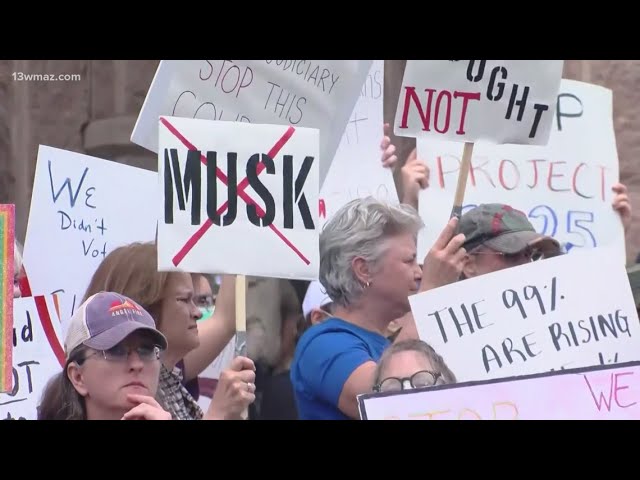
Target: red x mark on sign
{"points": [[241, 193]]}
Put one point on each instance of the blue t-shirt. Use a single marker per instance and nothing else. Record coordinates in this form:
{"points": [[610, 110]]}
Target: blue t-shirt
{"points": [[326, 356]]}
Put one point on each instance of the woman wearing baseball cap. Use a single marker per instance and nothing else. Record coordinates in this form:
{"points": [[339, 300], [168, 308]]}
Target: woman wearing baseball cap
{"points": [[113, 362], [132, 270]]}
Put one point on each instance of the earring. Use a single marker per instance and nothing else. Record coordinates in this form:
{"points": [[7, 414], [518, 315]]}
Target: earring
{"points": [[368, 283]]}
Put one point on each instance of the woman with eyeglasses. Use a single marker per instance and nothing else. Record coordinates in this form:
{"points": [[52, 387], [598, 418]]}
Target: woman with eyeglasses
{"points": [[132, 270], [113, 361], [498, 236], [410, 364], [369, 268]]}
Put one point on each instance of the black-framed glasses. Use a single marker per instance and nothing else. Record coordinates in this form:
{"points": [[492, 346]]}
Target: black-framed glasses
{"points": [[120, 353], [421, 379]]}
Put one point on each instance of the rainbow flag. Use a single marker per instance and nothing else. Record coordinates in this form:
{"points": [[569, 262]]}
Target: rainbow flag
{"points": [[7, 241]]}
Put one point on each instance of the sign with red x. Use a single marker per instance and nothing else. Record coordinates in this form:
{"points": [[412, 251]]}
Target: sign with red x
{"points": [[238, 198]]}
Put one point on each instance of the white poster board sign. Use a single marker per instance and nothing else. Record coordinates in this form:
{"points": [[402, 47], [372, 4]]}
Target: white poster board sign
{"points": [[82, 208], [568, 311], [37, 355], [498, 101], [356, 171], [563, 187], [610, 392], [302, 93], [264, 223]]}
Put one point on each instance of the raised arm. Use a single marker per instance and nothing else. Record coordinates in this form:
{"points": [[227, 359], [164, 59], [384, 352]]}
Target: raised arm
{"points": [[214, 333], [414, 174]]}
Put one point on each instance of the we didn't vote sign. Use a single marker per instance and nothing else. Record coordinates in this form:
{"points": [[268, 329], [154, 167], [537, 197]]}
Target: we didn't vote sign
{"points": [[499, 101], [238, 198]]}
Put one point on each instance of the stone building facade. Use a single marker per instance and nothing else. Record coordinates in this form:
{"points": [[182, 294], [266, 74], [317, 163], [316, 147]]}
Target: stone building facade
{"points": [[94, 112]]}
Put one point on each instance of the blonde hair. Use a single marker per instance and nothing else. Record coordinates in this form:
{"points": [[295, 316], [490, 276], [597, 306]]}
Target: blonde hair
{"points": [[132, 271]]}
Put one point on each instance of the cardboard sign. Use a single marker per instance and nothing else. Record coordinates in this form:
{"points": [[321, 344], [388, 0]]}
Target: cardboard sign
{"points": [[37, 356], [82, 208], [609, 392], [356, 171], [238, 198], [563, 187], [569, 311], [7, 242], [301, 93], [498, 101]]}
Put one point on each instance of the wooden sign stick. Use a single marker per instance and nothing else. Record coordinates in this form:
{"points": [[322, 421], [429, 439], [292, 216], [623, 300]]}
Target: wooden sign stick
{"points": [[241, 321], [241, 315], [462, 180]]}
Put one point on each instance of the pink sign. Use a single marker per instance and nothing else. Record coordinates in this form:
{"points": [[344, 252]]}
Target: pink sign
{"points": [[609, 392]]}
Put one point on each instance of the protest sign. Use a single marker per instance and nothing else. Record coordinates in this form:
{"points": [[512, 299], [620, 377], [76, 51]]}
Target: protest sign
{"points": [[356, 171], [499, 101], [610, 392], [82, 208], [7, 242], [302, 93], [264, 224], [563, 187], [568, 311], [37, 355]]}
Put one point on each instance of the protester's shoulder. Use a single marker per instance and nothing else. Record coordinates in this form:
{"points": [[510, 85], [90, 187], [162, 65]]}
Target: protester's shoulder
{"points": [[332, 326], [335, 334]]}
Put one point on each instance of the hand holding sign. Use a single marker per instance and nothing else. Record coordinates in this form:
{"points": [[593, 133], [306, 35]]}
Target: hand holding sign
{"points": [[235, 391], [443, 264], [389, 157]]}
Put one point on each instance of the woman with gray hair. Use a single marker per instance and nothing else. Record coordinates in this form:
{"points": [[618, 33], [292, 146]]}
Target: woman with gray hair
{"points": [[369, 267]]}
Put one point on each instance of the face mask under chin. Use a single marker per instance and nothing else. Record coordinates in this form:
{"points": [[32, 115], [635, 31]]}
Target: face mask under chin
{"points": [[207, 313]]}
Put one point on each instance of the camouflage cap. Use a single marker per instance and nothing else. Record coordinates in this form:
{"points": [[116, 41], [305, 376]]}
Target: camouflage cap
{"points": [[504, 229]]}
